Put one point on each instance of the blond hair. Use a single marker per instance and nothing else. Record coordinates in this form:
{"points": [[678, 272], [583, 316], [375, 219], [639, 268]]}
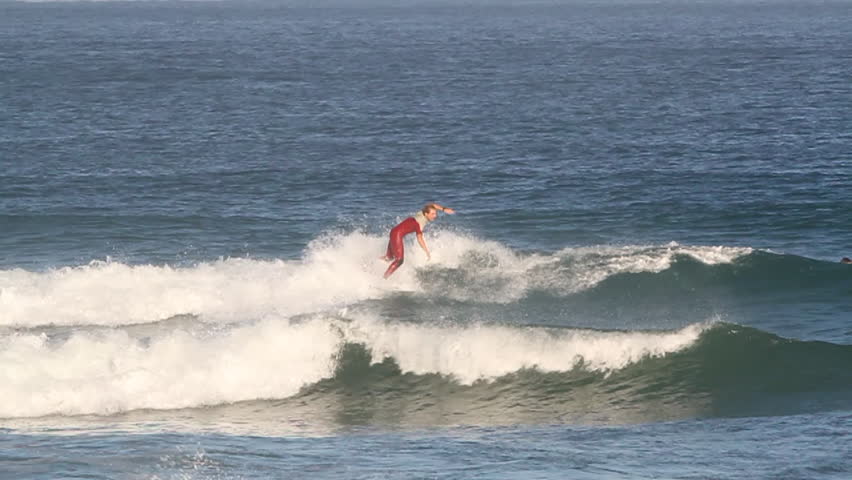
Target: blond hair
{"points": [[428, 208]]}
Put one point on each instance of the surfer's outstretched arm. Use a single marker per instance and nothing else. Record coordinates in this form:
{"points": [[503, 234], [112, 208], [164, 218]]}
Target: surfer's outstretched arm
{"points": [[443, 209], [422, 243]]}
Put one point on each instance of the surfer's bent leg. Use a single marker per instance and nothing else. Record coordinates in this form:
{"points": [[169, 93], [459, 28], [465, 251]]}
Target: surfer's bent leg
{"points": [[396, 263], [396, 251]]}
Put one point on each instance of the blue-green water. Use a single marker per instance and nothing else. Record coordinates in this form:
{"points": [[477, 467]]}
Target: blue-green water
{"points": [[642, 279]]}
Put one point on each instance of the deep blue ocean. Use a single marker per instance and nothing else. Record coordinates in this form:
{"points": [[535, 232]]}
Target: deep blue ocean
{"points": [[642, 279]]}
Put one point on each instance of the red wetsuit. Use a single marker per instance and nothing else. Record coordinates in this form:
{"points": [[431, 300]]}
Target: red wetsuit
{"points": [[396, 250]]}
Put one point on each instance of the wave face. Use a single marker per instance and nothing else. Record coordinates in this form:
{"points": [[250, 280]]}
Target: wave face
{"points": [[482, 333]]}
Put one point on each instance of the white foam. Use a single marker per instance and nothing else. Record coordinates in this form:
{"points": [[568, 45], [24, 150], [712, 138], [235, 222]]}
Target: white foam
{"points": [[336, 270], [485, 352], [112, 293], [588, 266], [103, 373], [110, 370], [490, 272]]}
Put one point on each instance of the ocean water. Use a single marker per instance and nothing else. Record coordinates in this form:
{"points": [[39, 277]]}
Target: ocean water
{"points": [[642, 279]]}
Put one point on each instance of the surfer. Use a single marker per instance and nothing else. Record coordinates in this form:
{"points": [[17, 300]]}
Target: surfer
{"points": [[846, 260], [415, 223]]}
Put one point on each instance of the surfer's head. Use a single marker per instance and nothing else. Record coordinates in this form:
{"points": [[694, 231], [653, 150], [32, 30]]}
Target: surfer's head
{"points": [[430, 212]]}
